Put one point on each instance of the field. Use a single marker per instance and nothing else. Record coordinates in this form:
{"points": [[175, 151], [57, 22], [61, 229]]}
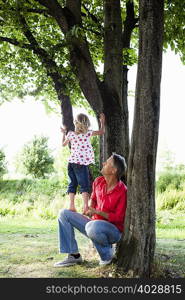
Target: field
{"points": [[29, 248], [29, 239]]}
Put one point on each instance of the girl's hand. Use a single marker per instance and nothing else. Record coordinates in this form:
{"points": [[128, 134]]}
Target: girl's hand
{"points": [[102, 118], [63, 130]]}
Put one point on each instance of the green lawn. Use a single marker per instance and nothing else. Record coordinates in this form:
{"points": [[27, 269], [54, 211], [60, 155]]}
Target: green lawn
{"points": [[29, 248]]}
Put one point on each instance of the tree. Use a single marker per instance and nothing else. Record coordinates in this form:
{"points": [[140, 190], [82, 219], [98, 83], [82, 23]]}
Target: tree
{"points": [[69, 39], [35, 158], [3, 167], [136, 250], [77, 48]]}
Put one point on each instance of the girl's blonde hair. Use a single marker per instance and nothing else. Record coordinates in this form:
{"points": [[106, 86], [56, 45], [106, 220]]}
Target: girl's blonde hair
{"points": [[82, 123]]}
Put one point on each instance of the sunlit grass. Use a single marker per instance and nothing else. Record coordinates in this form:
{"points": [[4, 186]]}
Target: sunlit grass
{"points": [[29, 248], [29, 233]]}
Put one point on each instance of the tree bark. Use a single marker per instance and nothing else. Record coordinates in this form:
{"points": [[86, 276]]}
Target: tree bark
{"points": [[136, 249]]}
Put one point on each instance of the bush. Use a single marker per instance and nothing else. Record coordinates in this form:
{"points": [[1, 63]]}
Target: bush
{"points": [[95, 169], [170, 180], [39, 197], [35, 158], [60, 165], [3, 167], [36, 197]]}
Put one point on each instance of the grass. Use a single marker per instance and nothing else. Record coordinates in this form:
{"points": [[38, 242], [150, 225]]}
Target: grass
{"points": [[29, 242], [29, 248]]}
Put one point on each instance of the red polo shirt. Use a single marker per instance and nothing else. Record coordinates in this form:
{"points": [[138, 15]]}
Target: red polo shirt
{"points": [[112, 202]]}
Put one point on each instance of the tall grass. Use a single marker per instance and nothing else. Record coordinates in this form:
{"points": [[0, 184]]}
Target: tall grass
{"points": [[36, 197], [170, 189], [45, 197], [171, 199]]}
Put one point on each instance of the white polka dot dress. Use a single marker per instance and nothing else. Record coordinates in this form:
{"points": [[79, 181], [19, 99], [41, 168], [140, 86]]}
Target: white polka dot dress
{"points": [[81, 149]]}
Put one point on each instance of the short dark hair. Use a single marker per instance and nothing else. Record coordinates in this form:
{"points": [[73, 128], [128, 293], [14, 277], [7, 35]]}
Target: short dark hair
{"points": [[120, 165]]}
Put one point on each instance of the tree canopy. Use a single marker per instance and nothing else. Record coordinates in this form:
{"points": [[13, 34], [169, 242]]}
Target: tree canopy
{"points": [[30, 38]]}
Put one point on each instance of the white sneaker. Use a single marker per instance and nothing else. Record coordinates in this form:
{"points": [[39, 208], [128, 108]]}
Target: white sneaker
{"points": [[105, 262], [69, 261]]}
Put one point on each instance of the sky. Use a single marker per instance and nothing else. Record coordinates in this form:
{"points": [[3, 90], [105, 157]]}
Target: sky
{"points": [[19, 121]]}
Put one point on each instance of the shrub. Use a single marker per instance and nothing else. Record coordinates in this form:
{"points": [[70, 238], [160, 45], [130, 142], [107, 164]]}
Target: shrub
{"points": [[170, 180], [35, 158], [95, 169], [60, 165]]}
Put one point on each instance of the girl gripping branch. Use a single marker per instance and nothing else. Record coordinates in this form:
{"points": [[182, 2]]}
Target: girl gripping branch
{"points": [[82, 155]]}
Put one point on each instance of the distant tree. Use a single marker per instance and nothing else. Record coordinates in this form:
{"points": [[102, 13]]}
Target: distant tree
{"points": [[3, 167], [165, 160], [35, 159]]}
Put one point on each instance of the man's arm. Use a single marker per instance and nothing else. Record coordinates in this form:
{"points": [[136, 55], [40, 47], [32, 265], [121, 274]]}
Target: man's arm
{"points": [[117, 215]]}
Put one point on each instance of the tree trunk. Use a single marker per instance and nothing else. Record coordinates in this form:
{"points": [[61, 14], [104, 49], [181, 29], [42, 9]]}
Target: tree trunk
{"points": [[67, 112], [136, 249]]}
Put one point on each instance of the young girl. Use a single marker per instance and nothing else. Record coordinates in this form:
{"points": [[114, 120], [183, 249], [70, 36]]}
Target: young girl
{"points": [[82, 155]]}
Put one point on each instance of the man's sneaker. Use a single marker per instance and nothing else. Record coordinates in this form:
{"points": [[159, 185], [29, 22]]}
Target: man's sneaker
{"points": [[105, 262], [69, 261]]}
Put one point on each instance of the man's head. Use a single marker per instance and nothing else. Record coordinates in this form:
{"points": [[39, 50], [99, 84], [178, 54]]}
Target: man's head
{"points": [[115, 165]]}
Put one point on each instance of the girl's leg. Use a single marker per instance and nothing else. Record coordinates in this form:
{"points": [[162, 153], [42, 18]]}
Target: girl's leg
{"points": [[85, 197], [82, 175], [72, 203]]}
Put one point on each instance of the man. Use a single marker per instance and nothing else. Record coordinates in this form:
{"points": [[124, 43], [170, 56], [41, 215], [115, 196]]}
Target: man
{"points": [[107, 211]]}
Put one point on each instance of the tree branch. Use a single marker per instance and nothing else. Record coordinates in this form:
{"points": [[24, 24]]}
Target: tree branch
{"points": [[93, 31], [74, 7], [60, 14], [129, 24], [15, 43], [37, 11], [42, 53], [93, 17]]}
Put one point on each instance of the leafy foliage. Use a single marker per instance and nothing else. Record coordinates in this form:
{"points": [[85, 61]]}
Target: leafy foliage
{"points": [[60, 165], [36, 159], [25, 71], [171, 178], [174, 29], [171, 188], [95, 169]]}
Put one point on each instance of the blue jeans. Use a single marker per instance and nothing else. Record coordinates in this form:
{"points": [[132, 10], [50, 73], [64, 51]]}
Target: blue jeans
{"points": [[102, 233], [78, 175]]}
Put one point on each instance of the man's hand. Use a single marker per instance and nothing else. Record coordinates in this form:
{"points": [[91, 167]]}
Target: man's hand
{"points": [[93, 211]]}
